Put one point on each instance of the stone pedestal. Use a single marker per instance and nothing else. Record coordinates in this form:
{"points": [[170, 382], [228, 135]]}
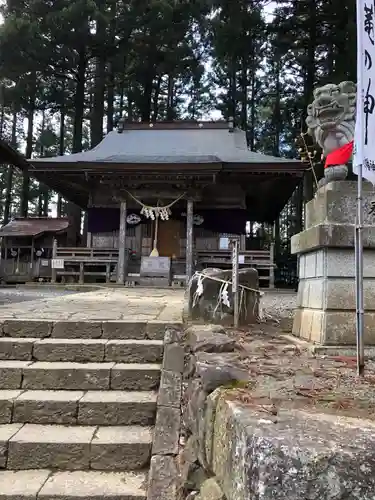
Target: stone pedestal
{"points": [[326, 292]]}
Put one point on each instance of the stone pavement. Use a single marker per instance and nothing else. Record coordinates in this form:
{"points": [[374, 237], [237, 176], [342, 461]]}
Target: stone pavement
{"points": [[135, 304], [79, 380]]}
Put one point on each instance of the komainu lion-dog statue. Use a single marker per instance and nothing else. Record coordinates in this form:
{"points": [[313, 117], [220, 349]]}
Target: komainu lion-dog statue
{"points": [[331, 122]]}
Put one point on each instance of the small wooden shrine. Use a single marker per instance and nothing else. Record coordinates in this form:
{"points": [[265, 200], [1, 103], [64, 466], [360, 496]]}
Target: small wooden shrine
{"points": [[26, 247], [175, 191]]}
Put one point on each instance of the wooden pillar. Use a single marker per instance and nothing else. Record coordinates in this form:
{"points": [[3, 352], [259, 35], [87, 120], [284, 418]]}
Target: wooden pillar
{"points": [[89, 239], [189, 240], [54, 254], [121, 263], [272, 266], [81, 273]]}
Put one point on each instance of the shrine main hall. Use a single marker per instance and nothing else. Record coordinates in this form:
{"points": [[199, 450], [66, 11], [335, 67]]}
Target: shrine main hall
{"points": [[176, 191]]}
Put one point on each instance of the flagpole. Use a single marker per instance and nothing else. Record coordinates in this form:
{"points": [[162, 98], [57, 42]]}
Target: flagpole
{"points": [[358, 159], [359, 276]]}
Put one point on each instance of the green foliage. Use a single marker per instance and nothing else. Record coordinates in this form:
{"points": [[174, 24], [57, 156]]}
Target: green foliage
{"points": [[92, 62]]}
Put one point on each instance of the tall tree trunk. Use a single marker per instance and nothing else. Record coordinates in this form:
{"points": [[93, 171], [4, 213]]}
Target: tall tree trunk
{"points": [[2, 110], [244, 97], [110, 98], [79, 102], [147, 97], [99, 78], [61, 151], [29, 149], [43, 189], [73, 211], [170, 99], [251, 135], [309, 82], [233, 90], [9, 177], [277, 110], [155, 104]]}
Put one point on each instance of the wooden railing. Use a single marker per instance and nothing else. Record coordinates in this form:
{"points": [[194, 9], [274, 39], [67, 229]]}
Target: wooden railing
{"points": [[262, 260], [102, 262]]}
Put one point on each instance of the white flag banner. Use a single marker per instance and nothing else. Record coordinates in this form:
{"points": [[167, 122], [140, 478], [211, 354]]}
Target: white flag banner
{"points": [[364, 138]]}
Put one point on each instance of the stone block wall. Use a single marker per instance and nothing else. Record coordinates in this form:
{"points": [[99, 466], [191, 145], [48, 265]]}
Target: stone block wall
{"points": [[223, 448], [326, 311]]}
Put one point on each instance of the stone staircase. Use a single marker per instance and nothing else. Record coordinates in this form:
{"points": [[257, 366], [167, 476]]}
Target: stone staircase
{"points": [[77, 409]]}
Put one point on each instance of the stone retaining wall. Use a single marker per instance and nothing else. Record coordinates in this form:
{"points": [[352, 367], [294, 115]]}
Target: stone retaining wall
{"points": [[226, 449]]}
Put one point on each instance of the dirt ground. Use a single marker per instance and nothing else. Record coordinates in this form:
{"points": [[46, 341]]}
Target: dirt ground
{"points": [[286, 374]]}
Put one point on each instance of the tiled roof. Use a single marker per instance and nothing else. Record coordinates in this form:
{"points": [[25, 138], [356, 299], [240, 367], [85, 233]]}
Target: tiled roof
{"points": [[34, 226], [154, 145]]}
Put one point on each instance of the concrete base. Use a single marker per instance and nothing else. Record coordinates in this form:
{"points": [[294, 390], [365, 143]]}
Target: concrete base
{"points": [[326, 299]]}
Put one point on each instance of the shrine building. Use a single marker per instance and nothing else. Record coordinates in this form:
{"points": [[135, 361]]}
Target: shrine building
{"points": [[176, 191]]}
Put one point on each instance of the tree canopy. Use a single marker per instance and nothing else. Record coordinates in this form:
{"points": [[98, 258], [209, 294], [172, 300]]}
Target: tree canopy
{"points": [[69, 71]]}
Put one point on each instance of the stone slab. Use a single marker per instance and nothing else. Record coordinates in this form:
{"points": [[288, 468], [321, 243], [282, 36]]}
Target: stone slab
{"points": [[22, 485], [174, 358], [7, 431], [123, 330], [16, 348], [155, 329], [167, 431], [209, 338], [7, 398], [47, 407], [155, 267], [330, 235], [11, 373], [337, 202], [135, 376], [94, 485], [77, 329], [117, 408], [32, 328], [163, 478], [131, 351], [170, 389], [116, 305], [50, 446], [121, 448], [69, 376], [310, 451], [334, 294], [74, 350], [332, 327]]}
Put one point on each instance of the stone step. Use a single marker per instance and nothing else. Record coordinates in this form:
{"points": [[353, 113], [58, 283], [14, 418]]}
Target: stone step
{"points": [[36, 328], [78, 376], [81, 350], [76, 485], [33, 446], [78, 407]]}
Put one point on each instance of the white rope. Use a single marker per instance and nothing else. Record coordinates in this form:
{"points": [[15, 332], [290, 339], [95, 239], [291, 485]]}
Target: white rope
{"points": [[207, 276], [157, 208], [224, 286]]}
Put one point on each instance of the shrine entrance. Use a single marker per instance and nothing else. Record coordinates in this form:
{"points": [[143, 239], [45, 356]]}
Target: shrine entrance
{"points": [[169, 233]]}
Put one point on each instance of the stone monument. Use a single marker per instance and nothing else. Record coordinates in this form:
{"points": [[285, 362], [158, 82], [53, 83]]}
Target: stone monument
{"points": [[331, 121], [326, 311]]}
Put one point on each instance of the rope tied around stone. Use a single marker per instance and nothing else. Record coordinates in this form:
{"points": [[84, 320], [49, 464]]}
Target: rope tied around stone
{"points": [[222, 296], [228, 282]]}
